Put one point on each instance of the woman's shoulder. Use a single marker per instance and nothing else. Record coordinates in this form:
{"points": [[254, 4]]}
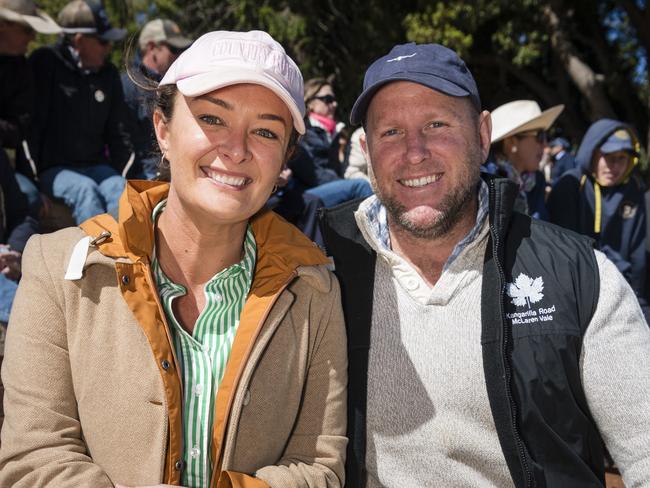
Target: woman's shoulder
{"points": [[54, 244], [318, 277], [52, 252]]}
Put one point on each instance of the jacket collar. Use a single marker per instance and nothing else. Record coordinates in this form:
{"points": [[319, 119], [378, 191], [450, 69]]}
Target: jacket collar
{"points": [[281, 247]]}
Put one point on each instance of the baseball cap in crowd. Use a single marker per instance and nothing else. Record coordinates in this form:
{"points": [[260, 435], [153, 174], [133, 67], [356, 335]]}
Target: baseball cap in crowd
{"points": [[431, 65], [88, 17], [223, 58], [521, 116], [560, 141], [25, 12], [163, 30], [620, 140]]}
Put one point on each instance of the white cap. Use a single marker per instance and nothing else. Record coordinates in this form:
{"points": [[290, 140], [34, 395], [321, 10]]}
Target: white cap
{"points": [[223, 58], [25, 12], [521, 116]]}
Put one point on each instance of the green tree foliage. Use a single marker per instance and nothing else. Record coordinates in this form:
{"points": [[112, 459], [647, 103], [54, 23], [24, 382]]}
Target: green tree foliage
{"points": [[582, 53]]}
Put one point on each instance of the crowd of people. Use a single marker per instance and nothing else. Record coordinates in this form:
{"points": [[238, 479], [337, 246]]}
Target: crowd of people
{"points": [[223, 353]]}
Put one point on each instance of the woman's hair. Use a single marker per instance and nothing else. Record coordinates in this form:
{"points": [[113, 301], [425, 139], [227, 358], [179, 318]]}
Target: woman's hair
{"points": [[497, 149], [313, 86]]}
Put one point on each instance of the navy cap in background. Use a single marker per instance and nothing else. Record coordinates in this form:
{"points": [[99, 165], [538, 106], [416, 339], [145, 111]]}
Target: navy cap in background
{"points": [[560, 141], [620, 140], [431, 65]]}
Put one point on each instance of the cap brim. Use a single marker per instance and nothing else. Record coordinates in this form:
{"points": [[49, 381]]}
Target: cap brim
{"points": [[179, 42], [113, 34], [612, 147], [543, 121], [430, 81], [41, 22], [203, 83]]}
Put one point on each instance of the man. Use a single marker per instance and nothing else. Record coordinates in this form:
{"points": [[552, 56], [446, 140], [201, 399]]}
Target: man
{"points": [[604, 199], [485, 348], [79, 137], [19, 22], [563, 161], [160, 43]]}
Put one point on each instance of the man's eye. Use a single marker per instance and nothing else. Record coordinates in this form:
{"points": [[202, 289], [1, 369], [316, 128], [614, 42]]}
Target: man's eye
{"points": [[266, 133], [389, 132], [437, 124], [210, 119]]}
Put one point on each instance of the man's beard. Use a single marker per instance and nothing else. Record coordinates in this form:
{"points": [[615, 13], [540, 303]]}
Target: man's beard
{"points": [[449, 213]]}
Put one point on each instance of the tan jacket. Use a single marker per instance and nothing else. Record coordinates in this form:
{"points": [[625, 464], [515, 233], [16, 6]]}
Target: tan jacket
{"points": [[93, 395]]}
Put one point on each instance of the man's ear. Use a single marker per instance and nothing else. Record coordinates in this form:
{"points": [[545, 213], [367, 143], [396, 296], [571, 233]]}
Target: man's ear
{"points": [[76, 40], [364, 145], [485, 132]]}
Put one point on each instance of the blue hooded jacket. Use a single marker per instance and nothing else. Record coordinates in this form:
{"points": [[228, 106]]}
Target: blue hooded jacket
{"points": [[613, 216]]}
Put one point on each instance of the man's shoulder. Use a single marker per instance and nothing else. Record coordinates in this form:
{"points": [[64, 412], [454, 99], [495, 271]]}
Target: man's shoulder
{"points": [[341, 217], [554, 234], [44, 54], [341, 232]]}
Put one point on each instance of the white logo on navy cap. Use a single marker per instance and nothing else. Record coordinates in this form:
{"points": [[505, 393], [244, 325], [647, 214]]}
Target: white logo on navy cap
{"points": [[399, 58]]}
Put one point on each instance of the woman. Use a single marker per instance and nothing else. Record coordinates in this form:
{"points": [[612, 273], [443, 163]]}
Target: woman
{"points": [[197, 341], [317, 166], [518, 141]]}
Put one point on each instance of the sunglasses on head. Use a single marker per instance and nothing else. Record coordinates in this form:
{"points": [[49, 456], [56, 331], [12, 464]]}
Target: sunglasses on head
{"points": [[539, 135], [326, 99]]}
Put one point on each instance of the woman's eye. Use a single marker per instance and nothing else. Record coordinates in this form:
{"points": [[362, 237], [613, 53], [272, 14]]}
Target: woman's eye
{"points": [[266, 133], [210, 119]]}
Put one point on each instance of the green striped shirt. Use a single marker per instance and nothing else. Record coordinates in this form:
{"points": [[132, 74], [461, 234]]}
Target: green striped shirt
{"points": [[203, 355]]}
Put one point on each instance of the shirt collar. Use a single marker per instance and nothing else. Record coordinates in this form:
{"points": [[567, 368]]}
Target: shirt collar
{"points": [[246, 265], [376, 217]]}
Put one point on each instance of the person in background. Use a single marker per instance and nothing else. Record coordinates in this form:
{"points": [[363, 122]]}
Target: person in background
{"points": [[604, 199], [199, 341], [79, 138], [16, 227], [19, 22], [518, 141], [562, 159], [486, 348], [316, 167], [160, 42], [356, 165]]}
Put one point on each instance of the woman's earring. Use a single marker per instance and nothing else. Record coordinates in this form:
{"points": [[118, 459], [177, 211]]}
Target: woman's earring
{"points": [[514, 149], [163, 173]]}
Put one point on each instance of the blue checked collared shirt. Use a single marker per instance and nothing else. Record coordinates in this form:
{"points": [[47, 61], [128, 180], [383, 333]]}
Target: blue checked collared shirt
{"points": [[378, 221]]}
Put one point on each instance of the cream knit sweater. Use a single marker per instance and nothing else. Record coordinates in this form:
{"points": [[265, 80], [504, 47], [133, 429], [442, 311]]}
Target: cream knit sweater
{"points": [[429, 421]]}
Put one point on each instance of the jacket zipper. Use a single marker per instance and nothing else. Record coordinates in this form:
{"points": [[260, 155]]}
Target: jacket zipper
{"points": [[230, 432], [506, 364]]}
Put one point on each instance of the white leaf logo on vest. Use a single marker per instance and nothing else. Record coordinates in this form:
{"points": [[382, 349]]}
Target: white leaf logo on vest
{"points": [[524, 292]]}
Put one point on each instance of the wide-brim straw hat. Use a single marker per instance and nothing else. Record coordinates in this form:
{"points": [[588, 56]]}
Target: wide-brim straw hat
{"points": [[25, 12], [521, 116]]}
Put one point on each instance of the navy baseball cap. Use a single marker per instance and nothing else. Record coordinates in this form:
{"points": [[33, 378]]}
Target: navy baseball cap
{"points": [[431, 65], [620, 140], [560, 141]]}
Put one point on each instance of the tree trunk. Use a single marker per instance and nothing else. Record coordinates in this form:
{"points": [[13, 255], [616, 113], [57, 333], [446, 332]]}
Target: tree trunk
{"points": [[640, 20], [586, 80]]}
